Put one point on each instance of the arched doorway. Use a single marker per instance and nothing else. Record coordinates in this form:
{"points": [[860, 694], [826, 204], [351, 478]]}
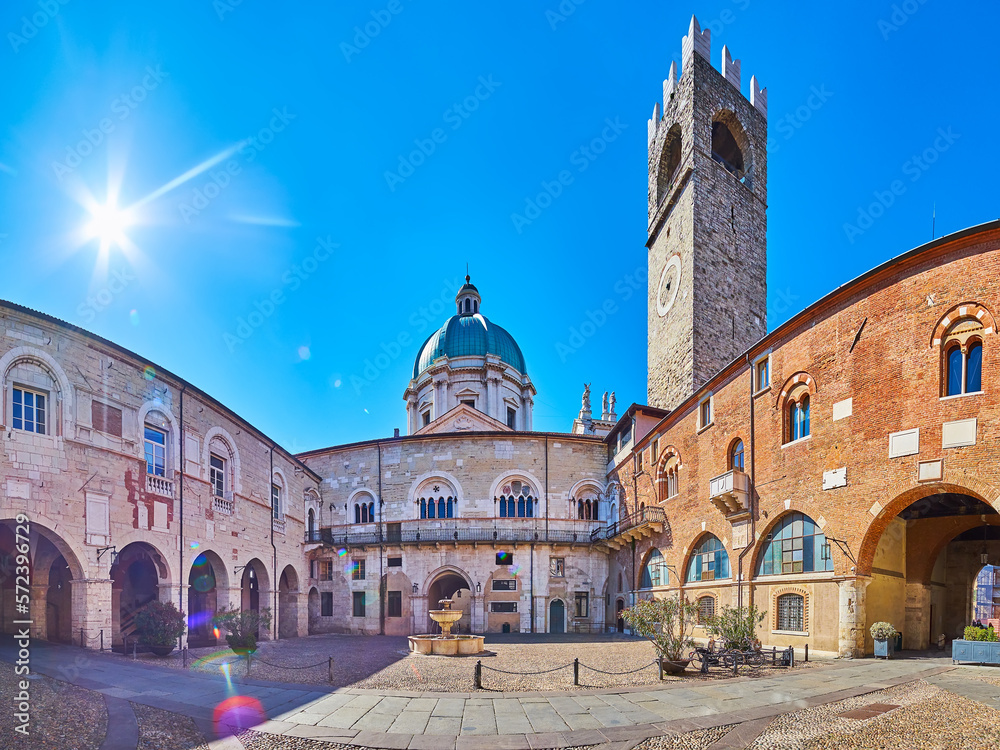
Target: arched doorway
{"points": [[207, 583], [288, 603], [453, 585], [557, 616], [53, 567], [923, 563], [255, 591], [136, 577], [314, 610], [619, 620]]}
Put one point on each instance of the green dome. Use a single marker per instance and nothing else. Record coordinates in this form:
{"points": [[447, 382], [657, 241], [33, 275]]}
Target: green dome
{"points": [[469, 335]]}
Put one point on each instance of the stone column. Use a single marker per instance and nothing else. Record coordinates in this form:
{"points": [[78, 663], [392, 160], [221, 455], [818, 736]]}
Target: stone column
{"points": [[172, 594], [91, 606], [38, 611], [916, 627], [853, 617]]}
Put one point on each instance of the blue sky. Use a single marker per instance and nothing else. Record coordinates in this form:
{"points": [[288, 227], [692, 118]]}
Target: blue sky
{"points": [[320, 123]]}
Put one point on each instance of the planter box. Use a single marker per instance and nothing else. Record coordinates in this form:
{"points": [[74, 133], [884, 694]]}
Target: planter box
{"points": [[885, 647], [980, 652]]}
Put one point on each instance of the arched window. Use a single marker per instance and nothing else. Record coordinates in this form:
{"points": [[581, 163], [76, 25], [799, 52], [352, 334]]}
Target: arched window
{"points": [[436, 498], [964, 364], [668, 474], [726, 149], [709, 561], [670, 160], [706, 609], [654, 572], [736, 456], [516, 500], [798, 418], [795, 545], [791, 612], [364, 509], [311, 524], [468, 305]]}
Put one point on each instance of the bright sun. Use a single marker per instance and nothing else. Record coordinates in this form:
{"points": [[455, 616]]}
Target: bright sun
{"points": [[108, 224]]}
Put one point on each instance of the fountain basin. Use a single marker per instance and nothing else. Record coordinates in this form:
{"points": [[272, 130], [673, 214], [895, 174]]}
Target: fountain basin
{"points": [[452, 645]]}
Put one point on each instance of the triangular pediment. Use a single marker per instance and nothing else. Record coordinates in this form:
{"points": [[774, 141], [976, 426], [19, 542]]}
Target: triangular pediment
{"points": [[463, 418]]}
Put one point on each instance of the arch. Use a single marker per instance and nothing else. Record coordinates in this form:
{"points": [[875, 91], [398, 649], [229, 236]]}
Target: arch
{"points": [[537, 487], [585, 500], [423, 486], [903, 495], [139, 576], [446, 570], [708, 560], [47, 363], [812, 556], [736, 455], [667, 473], [288, 603], [255, 589], [557, 616], [731, 147], [795, 402], [313, 607], [517, 494], [653, 570], [958, 312], [207, 591], [174, 434], [670, 160], [363, 506], [444, 583], [235, 470], [311, 531], [799, 378], [52, 531]]}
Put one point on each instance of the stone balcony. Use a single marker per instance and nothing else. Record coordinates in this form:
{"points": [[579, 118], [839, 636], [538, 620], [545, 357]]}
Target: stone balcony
{"points": [[644, 522], [159, 486], [224, 503], [730, 493]]}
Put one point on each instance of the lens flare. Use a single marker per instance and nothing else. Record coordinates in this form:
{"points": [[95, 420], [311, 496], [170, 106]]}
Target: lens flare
{"points": [[134, 317], [341, 552], [150, 372], [304, 353], [235, 714]]}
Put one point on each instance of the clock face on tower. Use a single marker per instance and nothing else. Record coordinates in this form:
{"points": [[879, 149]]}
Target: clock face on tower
{"points": [[670, 283]]}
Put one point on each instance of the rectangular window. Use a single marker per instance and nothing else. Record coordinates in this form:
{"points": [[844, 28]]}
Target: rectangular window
{"points": [[503, 606], [275, 501], [762, 374], [705, 412], [427, 418], [313, 567], [29, 411], [106, 418], [156, 451], [217, 475], [557, 567], [326, 604], [511, 418], [469, 402], [505, 558], [790, 612], [655, 451], [582, 600], [395, 562], [358, 601], [394, 604], [326, 570], [358, 570], [510, 585], [638, 461]]}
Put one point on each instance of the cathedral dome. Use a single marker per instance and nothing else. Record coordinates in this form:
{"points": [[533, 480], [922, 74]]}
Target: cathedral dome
{"points": [[469, 336]]}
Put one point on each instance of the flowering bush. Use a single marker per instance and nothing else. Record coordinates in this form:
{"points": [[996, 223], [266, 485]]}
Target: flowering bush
{"points": [[737, 626], [882, 631], [975, 633]]}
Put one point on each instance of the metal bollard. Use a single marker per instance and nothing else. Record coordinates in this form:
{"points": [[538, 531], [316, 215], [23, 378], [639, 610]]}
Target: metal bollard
{"points": [[807, 652], [249, 656], [659, 664], [184, 656], [791, 656], [102, 641], [83, 643], [576, 671], [330, 668], [478, 676], [134, 644]]}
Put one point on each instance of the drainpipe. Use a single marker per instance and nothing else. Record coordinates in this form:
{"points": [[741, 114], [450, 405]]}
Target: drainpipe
{"points": [[531, 554], [546, 489], [274, 550], [381, 549], [751, 542], [180, 474]]}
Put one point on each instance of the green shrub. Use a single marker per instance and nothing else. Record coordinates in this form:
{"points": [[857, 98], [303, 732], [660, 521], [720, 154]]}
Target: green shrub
{"points": [[242, 626], [159, 624], [737, 626], [667, 623], [976, 633]]}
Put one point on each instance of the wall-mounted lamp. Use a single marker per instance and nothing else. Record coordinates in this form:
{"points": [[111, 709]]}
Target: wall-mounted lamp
{"points": [[414, 588], [479, 588]]}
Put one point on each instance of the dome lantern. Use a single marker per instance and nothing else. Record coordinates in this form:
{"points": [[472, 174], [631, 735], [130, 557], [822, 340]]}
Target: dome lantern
{"points": [[468, 299]]}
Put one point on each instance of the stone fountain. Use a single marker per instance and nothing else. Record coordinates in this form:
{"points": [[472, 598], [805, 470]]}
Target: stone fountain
{"points": [[446, 644]]}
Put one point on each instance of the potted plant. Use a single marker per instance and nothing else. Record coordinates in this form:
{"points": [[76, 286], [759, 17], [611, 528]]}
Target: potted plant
{"points": [[159, 625], [667, 623], [884, 635], [241, 627], [737, 627]]}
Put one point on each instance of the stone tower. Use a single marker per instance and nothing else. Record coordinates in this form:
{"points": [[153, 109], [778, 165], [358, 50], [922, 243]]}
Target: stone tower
{"points": [[707, 222]]}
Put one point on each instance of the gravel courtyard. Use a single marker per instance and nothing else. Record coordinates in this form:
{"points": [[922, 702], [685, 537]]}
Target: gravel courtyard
{"points": [[384, 663]]}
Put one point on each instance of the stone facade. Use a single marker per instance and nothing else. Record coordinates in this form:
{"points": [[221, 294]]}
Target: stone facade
{"points": [[707, 297], [106, 536]]}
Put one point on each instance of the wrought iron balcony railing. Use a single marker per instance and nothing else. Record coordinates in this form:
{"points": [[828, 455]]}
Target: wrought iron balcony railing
{"points": [[345, 537]]}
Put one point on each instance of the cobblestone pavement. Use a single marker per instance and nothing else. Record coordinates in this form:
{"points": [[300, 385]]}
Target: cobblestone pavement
{"points": [[678, 714]]}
